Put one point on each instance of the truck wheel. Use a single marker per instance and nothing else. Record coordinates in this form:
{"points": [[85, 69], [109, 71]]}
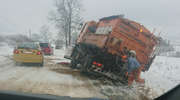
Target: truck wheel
{"points": [[124, 70], [74, 59], [73, 64], [86, 65]]}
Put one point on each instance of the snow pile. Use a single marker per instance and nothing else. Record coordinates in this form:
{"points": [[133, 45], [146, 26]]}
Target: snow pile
{"points": [[58, 56], [5, 52], [163, 74], [5, 49]]}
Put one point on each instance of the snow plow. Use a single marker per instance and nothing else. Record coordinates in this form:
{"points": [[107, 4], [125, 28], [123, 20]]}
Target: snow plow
{"points": [[102, 47]]}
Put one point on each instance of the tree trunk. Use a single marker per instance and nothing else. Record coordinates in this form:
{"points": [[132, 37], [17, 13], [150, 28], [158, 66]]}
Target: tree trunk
{"points": [[66, 40], [67, 11], [69, 21], [69, 30]]}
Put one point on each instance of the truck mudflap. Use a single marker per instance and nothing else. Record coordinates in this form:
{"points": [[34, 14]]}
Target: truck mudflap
{"points": [[147, 66]]}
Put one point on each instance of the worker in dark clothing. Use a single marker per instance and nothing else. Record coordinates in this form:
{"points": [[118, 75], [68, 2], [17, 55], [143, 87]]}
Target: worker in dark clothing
{"points": [[125, 51], [134, 69], [125, 54]]}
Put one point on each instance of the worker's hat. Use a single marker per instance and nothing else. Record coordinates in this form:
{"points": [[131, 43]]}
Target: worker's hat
{"points": [[133, 52]]}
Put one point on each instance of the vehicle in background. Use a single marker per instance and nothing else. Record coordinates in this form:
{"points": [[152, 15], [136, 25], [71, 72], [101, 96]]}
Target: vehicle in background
{"points": [[28, 52], [46, 48], [59, 44]]}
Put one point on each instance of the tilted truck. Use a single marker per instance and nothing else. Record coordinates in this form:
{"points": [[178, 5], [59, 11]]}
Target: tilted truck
{"points": [[100, 46]]}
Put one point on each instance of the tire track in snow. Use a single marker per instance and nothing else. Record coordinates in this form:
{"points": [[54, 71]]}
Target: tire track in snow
{"points": [[6, 67], [6, 64], [41, 80], [10, 77], [28, 80]]}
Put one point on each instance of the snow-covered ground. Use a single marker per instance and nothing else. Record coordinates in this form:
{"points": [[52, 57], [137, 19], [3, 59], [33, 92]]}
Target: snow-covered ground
{"points": [[51, 79], [56, 79], [163, 74], [58, 56], [5, 50]]}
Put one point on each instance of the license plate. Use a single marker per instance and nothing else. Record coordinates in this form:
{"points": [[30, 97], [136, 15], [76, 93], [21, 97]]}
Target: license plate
{"points": [[28, 52]]}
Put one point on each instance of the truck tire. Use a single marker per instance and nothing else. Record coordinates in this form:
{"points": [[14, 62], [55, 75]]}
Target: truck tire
{"points": [[86, 65], [73, 63], [77, 56], [74, 59], [123, 75]]}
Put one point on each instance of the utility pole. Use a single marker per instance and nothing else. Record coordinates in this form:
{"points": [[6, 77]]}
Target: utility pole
{"points": [[30, 33]]}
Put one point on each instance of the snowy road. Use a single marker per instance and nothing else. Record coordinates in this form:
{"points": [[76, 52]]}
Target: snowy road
{"points": [[54, 79], [60, 80], [43, 80]]}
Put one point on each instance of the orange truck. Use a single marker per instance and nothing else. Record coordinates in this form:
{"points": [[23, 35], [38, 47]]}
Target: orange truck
{"points": [[102, 47]]}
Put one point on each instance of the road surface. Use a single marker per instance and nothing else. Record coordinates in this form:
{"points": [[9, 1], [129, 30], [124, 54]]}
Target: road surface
{"points": [[57, 79], [51, 79]]}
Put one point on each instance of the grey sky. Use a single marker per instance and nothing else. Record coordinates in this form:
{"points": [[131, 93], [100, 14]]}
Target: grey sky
{"points": [[17, 16]]}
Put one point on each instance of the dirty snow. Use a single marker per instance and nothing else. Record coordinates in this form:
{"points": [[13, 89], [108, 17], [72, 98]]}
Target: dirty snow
{"points": [[162, 76], [56, 79], [5, 50], [58, 56], [43, 80]]}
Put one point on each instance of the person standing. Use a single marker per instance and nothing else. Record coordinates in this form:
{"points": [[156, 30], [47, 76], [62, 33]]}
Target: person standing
{"points": [[134, 69]]}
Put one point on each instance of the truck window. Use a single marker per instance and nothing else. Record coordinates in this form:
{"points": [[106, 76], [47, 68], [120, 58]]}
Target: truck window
{"points": [[104, 30], [92, 29]]}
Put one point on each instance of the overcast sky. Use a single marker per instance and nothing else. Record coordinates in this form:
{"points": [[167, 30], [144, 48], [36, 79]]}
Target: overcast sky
{"points": [[18, 16]]}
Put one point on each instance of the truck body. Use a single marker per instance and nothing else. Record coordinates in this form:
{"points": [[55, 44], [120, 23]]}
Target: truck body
{"points": [[103, 43]]}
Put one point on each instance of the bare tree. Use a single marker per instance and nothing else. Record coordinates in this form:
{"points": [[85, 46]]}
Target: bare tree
{"points": [[45, 33], [36, 37], [67, 17], [17, 38]]}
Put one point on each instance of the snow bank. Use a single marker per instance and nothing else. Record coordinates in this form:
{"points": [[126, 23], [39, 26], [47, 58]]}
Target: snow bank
{"points": [[163, 74], [5, 49], [5, 52], [58, 56]]}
